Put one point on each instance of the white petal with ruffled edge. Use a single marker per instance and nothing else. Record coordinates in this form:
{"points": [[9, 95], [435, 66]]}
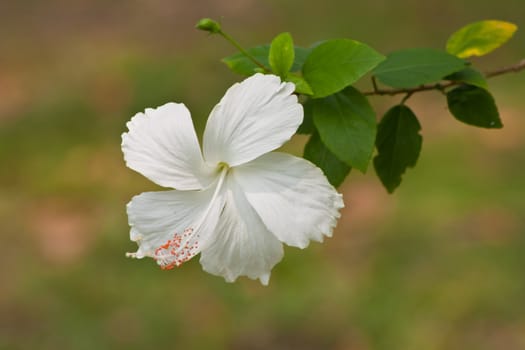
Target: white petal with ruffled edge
{"points": [[241, 245], [162, 145], [173, 226], [254, 117], [292, 196]]}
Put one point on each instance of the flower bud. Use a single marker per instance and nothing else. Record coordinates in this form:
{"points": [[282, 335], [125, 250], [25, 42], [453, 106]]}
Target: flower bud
{"points": [[208, 25]]}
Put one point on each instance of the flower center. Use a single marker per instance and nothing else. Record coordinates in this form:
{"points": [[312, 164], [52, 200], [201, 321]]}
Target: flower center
{"points": [[184, 246]]}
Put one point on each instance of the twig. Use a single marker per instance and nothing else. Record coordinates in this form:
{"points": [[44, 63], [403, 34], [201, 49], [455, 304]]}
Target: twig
{"points": [[511, 69], [426, 87], [443, 85]]}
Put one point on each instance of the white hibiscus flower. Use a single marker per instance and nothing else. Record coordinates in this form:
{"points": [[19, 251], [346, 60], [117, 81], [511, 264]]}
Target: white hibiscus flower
{"points": [[236, 203]]}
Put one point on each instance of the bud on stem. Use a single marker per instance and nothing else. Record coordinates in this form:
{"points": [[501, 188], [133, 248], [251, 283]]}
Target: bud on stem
{"points": [[209, 25]]}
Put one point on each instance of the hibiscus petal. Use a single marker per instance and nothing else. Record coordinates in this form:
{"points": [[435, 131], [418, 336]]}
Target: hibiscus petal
{"points": [[241, 245], [292, 196], [254, 117], [164, 219], [162, 145]]}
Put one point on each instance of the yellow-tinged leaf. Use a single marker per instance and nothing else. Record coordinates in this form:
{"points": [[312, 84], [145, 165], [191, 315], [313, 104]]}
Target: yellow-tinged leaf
{"points": [[480, 38]]}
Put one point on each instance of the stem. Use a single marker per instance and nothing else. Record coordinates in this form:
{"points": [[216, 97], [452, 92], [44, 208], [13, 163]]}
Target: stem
{"points": [[426, 87], [374, 83], [243, 51], [406, 98], [443, 85], [511, 69]]}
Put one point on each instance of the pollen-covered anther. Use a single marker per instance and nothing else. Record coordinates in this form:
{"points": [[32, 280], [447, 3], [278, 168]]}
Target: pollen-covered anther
{"points": [[178, 250]]}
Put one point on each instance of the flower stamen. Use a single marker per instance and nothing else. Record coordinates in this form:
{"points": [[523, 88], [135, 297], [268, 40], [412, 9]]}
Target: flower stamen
{"points": [[182, 247], [177, 250]]}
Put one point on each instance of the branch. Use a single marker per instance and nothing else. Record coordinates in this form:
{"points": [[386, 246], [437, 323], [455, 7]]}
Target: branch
{"points": [[511, 69], [443, 85]]}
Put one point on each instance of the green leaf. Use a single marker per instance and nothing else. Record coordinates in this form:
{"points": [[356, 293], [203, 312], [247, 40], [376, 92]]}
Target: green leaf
{"points": [[398, 144], [413, 67], [307, 126], [281, 54], [475, 106], [301, 86], [480, 38], [334, 169], [469, 76], [241, 64], [301, 53], [347, 126], [336, 64]]}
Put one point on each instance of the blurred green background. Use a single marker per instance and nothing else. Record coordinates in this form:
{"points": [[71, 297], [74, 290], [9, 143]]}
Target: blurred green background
{"points": [[438, 265]]}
